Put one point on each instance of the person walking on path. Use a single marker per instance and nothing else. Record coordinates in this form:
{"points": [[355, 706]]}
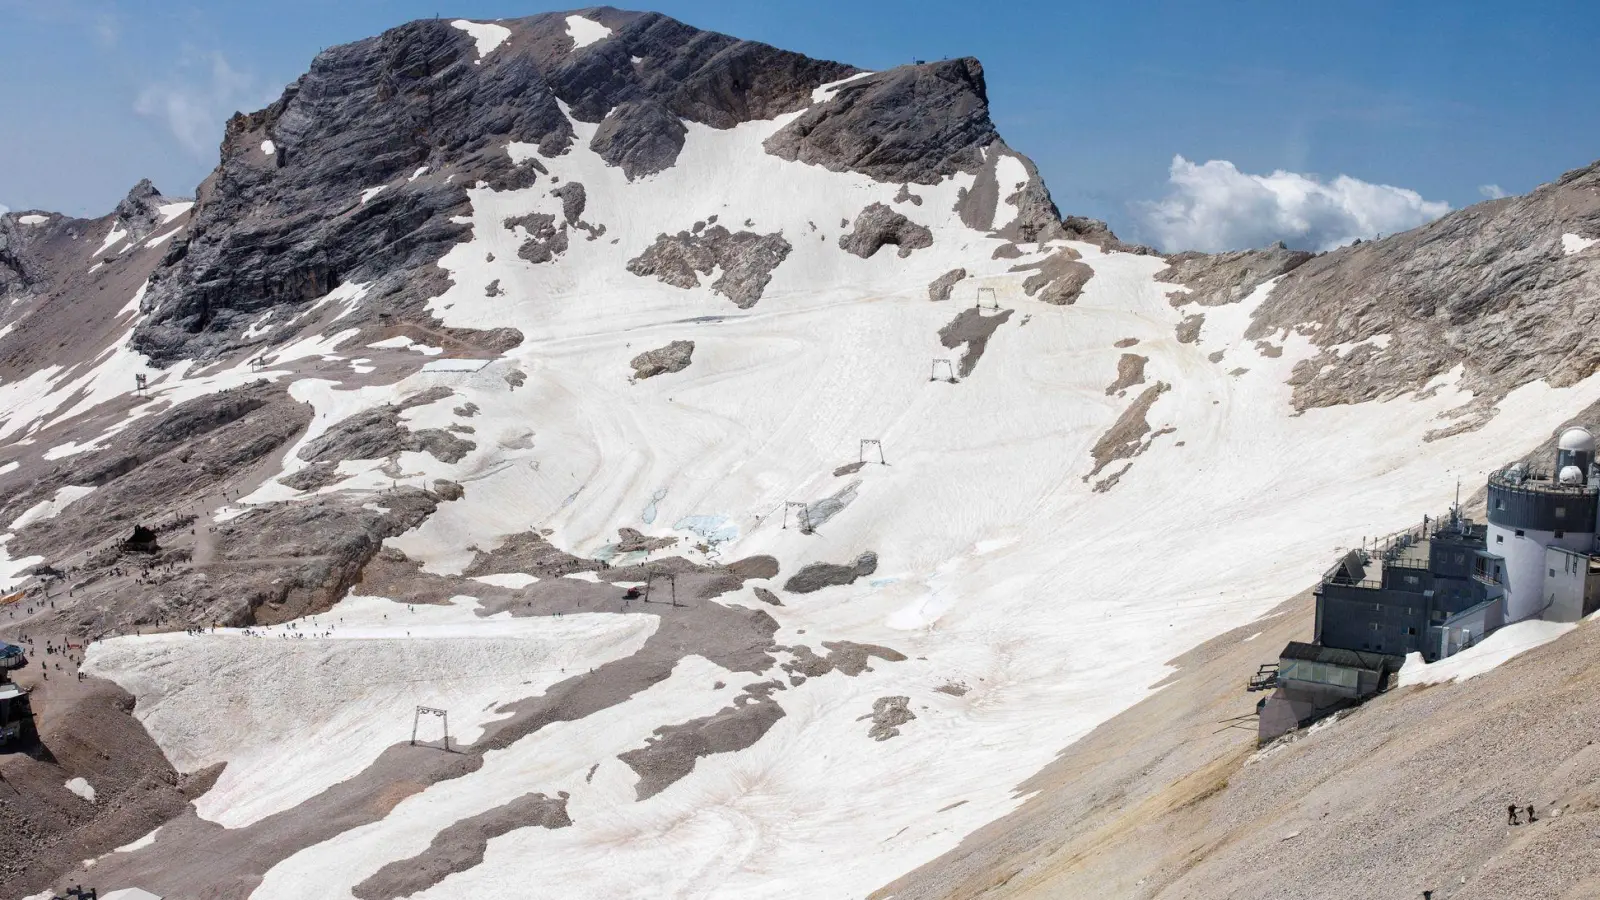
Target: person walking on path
{"points": [[1511, 814], [1531, 819]]}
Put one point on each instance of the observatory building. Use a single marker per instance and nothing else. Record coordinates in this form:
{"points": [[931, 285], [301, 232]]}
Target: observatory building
{"points": [[16, 718], [1544, 528], [1440, 588]]}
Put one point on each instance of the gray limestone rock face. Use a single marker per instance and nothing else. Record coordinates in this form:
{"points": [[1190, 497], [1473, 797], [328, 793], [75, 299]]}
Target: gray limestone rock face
{"points": [[574, 200], [643, 137], [880, 225], [674, 357], [912, 124], [284, 229], [747, 261], [817, 576], [140, 211], [545, 241], [378, 433], [1221, 278], [1491, 287], [942, 286]]}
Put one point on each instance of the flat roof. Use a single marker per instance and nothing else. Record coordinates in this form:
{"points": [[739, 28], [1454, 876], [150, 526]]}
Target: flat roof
{"points": [[10, 690], [1338, 656]]}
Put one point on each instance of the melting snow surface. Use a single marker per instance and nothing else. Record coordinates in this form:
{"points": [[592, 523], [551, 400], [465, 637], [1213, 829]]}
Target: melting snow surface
{"points": [[513, 580], [33, 219], [487, 35], [49, 509], [82, 788], [1484, 656], [337, 689], [585, 31], [371, 192], [170, 211], [1572, 243], [268, 148], [112, 239], [1059, 605]]}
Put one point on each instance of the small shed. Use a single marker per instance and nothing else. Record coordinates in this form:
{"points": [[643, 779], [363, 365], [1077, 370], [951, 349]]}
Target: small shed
{"points": [[143, 540], [1316, 681]]}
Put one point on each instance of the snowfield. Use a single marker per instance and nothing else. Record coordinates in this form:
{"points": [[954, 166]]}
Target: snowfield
{"points": [[1001, 568]]}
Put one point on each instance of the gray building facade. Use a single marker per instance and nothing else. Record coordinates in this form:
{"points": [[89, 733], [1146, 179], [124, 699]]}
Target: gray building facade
{"points": [[1408, 596]]}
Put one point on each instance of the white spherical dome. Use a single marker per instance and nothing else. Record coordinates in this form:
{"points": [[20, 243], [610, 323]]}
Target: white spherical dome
{"points": [[1571, 475], [1577, 439]]}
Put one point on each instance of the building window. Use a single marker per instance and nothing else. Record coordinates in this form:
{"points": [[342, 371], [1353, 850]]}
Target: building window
{"points": [[1374, 626], [1499, 504], [1411, 631], [1552, 573], [1561, 512], [1411, 579], [1561, 534], [1519, 532], [1499, 539]]}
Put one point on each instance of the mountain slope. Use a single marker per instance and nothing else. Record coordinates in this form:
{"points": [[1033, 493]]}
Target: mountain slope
{"points": [[408, 439]]}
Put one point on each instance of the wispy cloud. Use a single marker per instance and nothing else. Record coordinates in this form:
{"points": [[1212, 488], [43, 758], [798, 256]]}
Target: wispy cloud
{"points": [[1492, 191], [195, 102], [1213, 207]]}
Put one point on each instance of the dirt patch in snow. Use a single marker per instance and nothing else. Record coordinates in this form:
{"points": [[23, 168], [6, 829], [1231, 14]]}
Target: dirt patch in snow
{"points": [[817, 576], [1130, 371], [973, 329], [461, 846], [670, 753], [1125, 439]]}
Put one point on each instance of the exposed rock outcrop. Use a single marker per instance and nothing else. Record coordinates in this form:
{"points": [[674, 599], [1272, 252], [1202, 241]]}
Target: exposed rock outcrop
{"points": [[1058, 279], [942, 286], [878, 225], [913, 124], [670, 753], [971, 329], [817, 576], [379, 433], [286, 228], [1214, 279], [888, 714], [746, 259], [674, 357]]}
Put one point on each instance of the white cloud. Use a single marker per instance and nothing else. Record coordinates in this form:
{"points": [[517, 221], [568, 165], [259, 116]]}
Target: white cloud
{"points": [[1492, 191], [1214, 207], [194, 107]]}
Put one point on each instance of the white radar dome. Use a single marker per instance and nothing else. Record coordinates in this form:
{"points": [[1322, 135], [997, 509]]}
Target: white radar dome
{"points": [[1571, 475], [1577, 439]]}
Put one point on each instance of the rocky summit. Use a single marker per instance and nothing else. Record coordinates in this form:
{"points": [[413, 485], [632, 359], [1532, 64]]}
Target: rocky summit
{"points": [[591, 452]]}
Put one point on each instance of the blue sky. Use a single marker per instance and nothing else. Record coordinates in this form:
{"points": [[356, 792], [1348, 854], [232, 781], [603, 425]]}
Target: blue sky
{"points": [[1443, 99]]}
